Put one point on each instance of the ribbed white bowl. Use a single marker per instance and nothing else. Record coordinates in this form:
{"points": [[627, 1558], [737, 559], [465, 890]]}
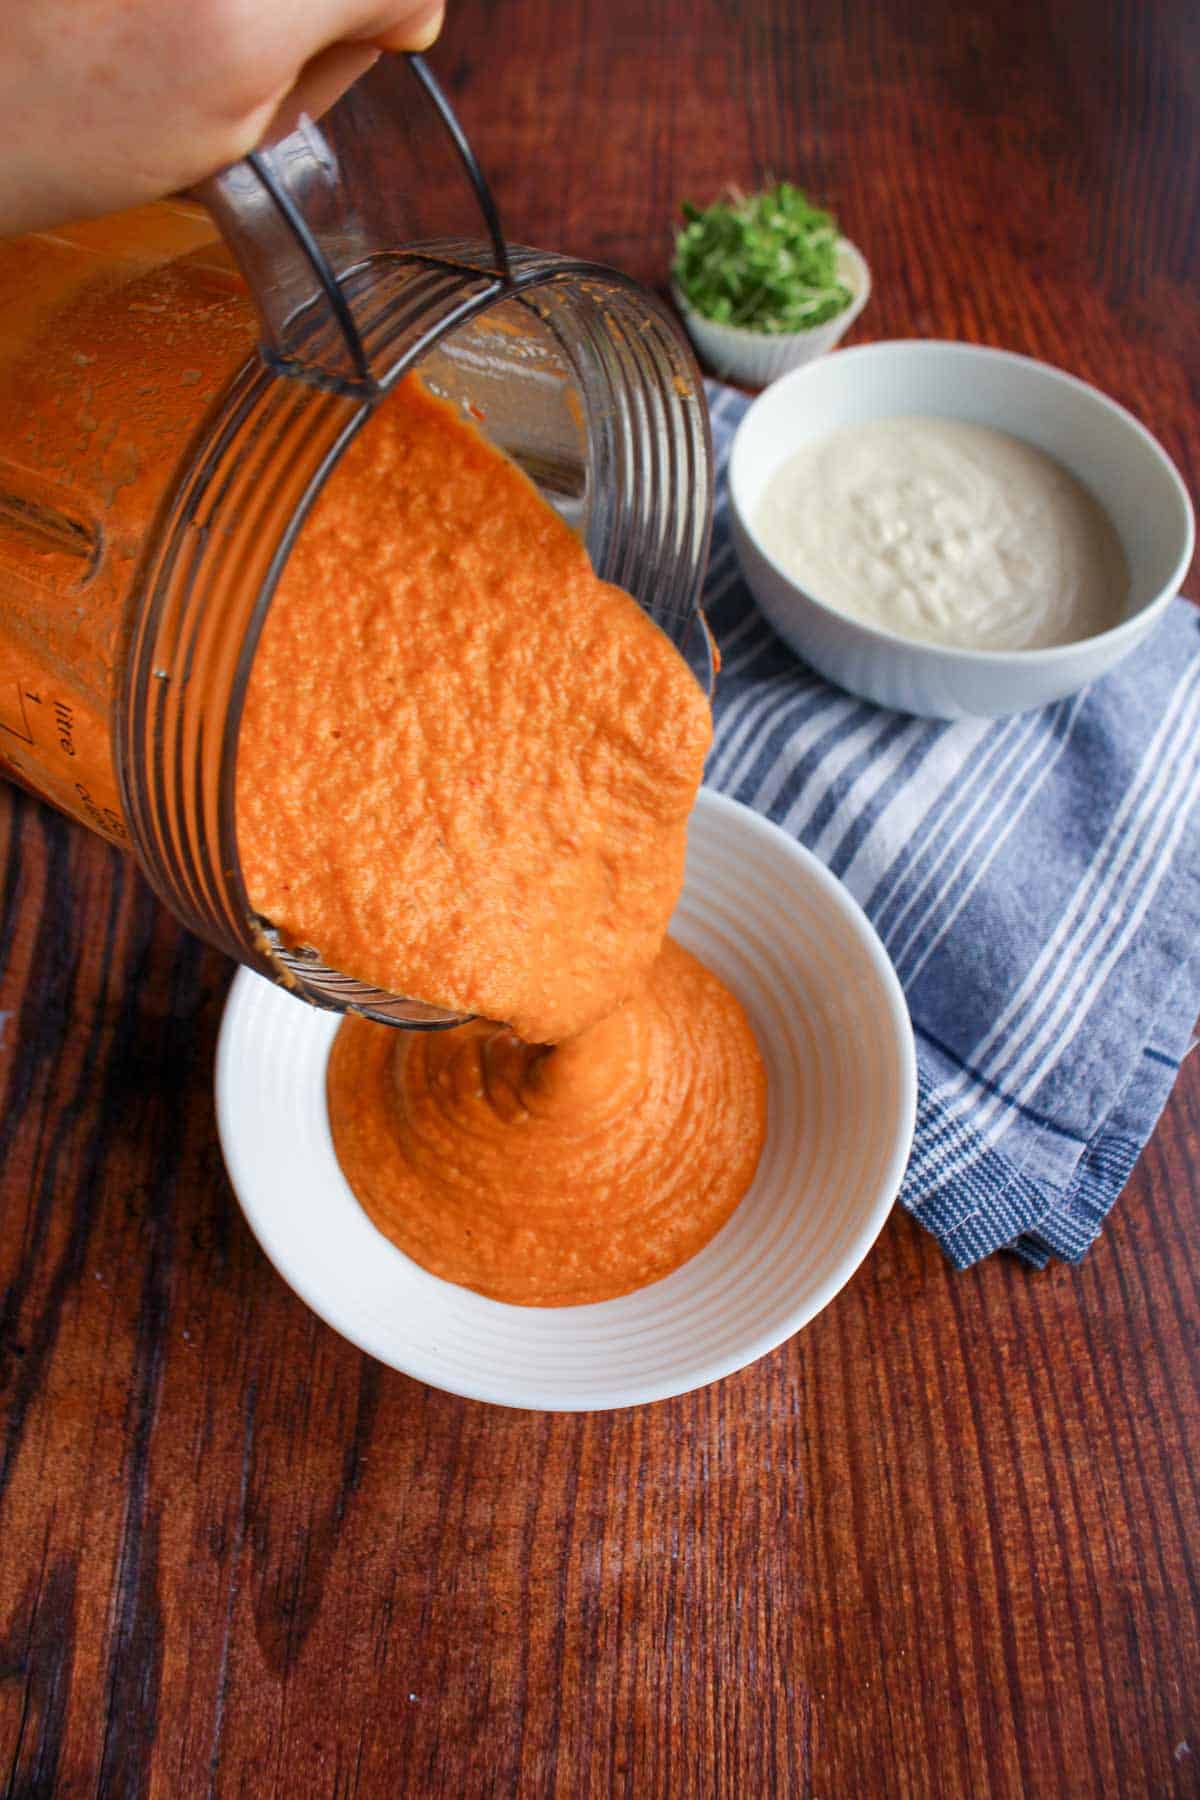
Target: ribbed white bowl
{"points": [[1102, 445], [834, 1032]]}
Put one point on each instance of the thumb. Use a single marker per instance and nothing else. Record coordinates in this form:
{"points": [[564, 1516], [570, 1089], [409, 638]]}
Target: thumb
{"points": [[322, 81], [415, 28]]}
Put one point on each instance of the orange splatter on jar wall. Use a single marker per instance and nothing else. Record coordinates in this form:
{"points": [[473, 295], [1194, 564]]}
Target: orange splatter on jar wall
{"points": [[115, 337]]}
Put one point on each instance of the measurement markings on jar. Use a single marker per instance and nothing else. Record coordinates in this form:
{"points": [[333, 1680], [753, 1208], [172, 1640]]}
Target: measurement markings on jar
{"points": [[64, 725], [104, 818], [53, 722], [25, 698], [62, 716]]}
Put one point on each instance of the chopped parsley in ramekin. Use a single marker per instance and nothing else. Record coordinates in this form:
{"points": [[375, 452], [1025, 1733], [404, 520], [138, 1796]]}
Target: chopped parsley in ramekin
{"points": [[766, 262]]}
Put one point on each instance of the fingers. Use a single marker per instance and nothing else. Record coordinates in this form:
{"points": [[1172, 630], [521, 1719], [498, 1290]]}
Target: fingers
{"points": [[322, 80], [326, 76], [416, 31], [386, 24]]}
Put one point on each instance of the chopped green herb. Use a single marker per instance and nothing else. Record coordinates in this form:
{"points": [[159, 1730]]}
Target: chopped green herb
{"points": [[766, 261]]}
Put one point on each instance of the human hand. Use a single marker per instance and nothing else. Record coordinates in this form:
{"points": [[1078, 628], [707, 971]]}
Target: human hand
{"points": [[108, 103]]}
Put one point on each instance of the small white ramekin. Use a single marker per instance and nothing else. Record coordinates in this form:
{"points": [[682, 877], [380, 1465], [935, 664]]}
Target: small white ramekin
{"points": [[755, 358], [1095, 439]]}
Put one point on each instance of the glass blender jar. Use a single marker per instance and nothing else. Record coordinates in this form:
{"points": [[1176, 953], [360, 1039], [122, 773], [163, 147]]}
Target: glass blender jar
{"points": [[168, 413]]}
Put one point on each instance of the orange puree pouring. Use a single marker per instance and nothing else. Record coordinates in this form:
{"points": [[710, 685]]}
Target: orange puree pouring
{"points": [[466, 764], [549, 1177], [464, 775]]}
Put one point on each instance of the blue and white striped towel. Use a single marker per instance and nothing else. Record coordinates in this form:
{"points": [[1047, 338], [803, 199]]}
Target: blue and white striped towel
{"points": [[1036, 881]]}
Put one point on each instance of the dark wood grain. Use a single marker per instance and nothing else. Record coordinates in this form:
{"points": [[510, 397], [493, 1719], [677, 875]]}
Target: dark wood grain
{"points": [[947, 1541]]}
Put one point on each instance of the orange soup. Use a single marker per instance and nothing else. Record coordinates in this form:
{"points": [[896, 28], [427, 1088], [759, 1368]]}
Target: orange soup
{"points": [[554, 1175], [466, 764], [465, 773]]}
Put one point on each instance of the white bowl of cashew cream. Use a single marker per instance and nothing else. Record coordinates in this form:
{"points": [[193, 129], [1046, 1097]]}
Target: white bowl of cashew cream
{"points": [[954, 531]]}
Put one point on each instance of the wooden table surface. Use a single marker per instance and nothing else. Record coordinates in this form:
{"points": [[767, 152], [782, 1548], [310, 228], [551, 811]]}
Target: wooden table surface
{"points": [[943, 1543]]}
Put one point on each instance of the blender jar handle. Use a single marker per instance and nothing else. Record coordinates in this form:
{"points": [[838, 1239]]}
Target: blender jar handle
{"points": [[265, 206]]}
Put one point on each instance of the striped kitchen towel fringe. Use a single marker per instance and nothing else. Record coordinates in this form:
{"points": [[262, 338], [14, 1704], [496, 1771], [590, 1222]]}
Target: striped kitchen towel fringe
{"points": [[1036, 881]]}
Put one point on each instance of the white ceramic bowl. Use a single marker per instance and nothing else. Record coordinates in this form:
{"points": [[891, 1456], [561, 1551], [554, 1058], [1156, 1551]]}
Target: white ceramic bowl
{"points": [[1097, 440], [834, 1032], [756, 357]]}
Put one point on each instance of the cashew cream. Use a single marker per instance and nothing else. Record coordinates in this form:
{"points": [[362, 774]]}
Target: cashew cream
{"points": [[946, 532]]}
